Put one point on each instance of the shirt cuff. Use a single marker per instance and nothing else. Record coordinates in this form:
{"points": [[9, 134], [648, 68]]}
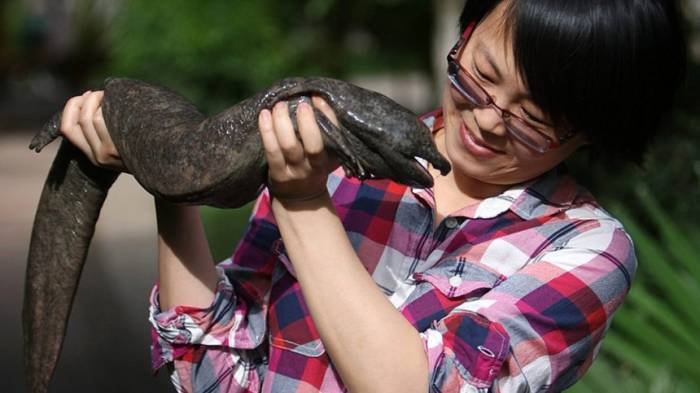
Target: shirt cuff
{"points": [[175, 331]]}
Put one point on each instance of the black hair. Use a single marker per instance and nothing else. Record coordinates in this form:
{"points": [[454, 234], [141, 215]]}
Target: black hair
{"points": [[607, 68]]}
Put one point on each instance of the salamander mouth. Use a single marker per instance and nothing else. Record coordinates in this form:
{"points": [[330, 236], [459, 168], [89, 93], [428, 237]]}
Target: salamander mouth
{"points": [[416, 163], [409, 171], [418, 174]]}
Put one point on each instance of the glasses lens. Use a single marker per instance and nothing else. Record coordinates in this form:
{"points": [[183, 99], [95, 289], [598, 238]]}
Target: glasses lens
{"points": [[528, 135], [466, 86], [467, 90]]}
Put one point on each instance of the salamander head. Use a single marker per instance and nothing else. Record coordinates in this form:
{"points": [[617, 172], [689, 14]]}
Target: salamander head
{"points": [[391, 131]]}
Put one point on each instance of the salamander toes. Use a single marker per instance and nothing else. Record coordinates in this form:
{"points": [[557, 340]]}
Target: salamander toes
{"points": [[49, 132]]}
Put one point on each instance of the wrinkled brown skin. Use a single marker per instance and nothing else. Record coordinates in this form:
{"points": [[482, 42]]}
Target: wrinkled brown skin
{"points": [[178, 154]]}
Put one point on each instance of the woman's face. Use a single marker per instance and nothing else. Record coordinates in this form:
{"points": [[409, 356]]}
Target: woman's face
{"points": [[476, 139]]}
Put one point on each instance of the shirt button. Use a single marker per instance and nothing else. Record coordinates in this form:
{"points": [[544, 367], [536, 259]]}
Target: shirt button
{"points": [[451, 223], [455, 281]]}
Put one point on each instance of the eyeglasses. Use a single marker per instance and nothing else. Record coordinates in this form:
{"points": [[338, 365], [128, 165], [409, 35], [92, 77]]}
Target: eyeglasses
{"points": [[471, 92]]}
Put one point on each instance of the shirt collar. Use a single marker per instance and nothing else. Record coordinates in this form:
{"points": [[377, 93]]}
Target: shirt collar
{"points": [[548, 194]]}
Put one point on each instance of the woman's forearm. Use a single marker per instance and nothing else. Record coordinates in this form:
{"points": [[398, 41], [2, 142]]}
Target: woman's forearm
{"points": [[186, 269], [372, 345]]}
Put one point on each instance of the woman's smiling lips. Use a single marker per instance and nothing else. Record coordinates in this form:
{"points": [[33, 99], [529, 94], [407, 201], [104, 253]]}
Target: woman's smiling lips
{"points": [[474, 145]]}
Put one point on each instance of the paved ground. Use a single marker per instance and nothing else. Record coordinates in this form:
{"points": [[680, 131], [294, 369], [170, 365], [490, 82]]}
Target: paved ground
{"points": [[106, 349]]}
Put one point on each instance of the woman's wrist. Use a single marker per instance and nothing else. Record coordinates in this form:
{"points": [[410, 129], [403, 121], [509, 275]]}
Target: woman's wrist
{"points": [[307, 203], [186, 270], [302, 201]]}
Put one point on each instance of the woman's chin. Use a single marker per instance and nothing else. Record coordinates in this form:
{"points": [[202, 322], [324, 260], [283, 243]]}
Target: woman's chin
{"points": [[495, 171]]}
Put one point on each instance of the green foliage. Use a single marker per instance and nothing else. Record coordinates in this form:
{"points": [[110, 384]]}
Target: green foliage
{"points": [[17, 30], [205, 52], [672, 164], [652, 345], [224, 228], [222, 51]]}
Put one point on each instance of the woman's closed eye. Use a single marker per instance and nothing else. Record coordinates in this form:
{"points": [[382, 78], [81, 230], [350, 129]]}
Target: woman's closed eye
{"points": [[484, 77], [530, 117]]}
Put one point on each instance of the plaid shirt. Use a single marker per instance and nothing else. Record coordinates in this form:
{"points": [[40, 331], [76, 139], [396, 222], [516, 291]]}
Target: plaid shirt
{"points": [[513, 293]]}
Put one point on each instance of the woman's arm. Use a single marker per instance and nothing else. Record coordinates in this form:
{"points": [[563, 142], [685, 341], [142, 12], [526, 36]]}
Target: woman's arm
{"points": [[195, 340], [373, 347], [186, 269], [220, 344]]}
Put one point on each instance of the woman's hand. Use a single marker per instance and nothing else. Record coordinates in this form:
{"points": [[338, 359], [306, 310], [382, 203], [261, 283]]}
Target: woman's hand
{"points": [[298, 169], [83, 125]]}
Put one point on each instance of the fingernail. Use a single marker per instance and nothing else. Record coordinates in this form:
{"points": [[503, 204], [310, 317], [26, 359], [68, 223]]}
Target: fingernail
{"points": [[87, 92], [304, 106], [265, 115]]}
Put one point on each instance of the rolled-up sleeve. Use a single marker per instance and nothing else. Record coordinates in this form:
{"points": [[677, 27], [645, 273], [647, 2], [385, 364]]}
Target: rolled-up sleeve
{"points": [[222, 345], [539, 329], [225, 323]]}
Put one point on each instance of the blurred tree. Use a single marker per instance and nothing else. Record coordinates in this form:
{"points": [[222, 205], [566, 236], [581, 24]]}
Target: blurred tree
{"points": [[224, 51], [671, 167], [49, 49], [11, 43], [4, 64], [86, 53], [59, 37]]}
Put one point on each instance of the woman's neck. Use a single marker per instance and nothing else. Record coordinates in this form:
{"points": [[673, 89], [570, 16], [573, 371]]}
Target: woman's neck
{"points": [[457, 184], [454, 191], [451, 196]]}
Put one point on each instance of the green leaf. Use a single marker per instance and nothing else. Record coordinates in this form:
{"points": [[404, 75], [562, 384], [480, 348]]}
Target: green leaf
{"points": [[642, 332], [653, 258], [659, 312], [675, 241], [631, 355], [224, 228]]}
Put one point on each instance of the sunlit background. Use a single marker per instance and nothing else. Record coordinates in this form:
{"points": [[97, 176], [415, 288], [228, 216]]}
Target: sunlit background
{"points": [[218, 52]]}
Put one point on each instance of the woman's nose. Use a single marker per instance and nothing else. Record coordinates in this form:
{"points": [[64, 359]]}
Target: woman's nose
{"points": [[489, 119]]}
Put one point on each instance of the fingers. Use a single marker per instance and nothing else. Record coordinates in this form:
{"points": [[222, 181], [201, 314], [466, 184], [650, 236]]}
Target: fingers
{"points": [[287, 139], [83, 125], [324, 107], [310, 135], [108, 147], [282, 146], [86, 122], [298, 170], [98, 123], [273, 154], [69, 124]]}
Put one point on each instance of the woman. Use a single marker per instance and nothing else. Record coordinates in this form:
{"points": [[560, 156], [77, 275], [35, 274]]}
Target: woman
{"points": [[504, 276]]}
